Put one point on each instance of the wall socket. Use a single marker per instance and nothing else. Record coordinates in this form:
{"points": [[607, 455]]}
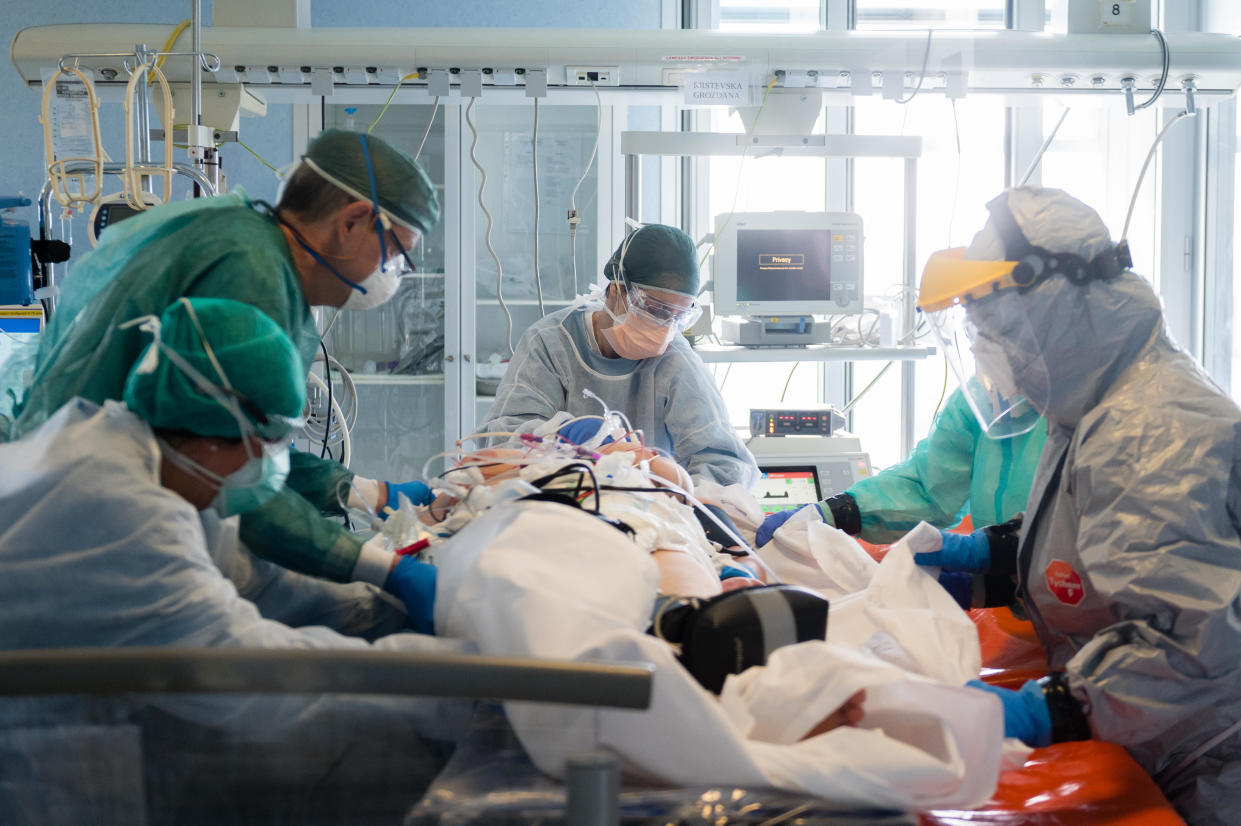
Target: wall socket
{"points": [[586, 75]]}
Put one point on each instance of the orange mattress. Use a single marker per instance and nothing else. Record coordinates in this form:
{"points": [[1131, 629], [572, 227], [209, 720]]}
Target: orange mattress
{"points": [[1066, 784]]}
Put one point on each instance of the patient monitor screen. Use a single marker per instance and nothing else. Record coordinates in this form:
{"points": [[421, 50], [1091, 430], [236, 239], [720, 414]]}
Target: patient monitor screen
{"points": [[787, 488], [783, 265]]}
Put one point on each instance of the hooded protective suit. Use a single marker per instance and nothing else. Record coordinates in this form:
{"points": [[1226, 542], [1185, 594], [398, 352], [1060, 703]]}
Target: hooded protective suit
{"points": [[1130, 554]]}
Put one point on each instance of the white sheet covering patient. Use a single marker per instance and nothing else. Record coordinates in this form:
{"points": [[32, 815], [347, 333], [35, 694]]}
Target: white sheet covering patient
{"points": [[539, 578]]}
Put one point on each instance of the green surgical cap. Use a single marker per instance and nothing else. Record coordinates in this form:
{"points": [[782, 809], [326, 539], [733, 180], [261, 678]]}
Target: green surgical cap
{"points": [[405, 192], [260, 361], [660, 257]]}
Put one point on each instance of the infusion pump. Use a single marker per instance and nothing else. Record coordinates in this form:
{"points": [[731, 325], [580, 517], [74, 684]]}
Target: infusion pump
{"points": [[802, 470]]}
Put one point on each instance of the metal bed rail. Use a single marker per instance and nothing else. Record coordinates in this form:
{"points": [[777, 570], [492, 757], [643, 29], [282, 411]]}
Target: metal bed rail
{"points": [[102, 671]]}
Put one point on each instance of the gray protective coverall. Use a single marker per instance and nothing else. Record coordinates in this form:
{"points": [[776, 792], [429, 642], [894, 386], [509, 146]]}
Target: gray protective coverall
{"points": [[1130, 556]]}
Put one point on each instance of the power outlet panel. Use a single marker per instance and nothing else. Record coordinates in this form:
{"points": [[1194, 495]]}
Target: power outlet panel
{"points": [[586, 75]]}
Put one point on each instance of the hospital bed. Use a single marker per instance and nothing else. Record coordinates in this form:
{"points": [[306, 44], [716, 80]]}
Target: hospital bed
{"points": [[81, 737], [489, 779]]}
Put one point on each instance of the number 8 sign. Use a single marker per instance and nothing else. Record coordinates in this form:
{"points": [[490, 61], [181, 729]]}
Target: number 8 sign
{"points": [[1117, 11]]}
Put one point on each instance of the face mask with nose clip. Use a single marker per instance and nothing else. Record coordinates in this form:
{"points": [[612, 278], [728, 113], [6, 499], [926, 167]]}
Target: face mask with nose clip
{"points": [[378, 287]]}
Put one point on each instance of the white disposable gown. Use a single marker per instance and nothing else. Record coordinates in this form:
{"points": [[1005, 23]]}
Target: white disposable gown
{"points": [[671, 398], [1130, 556], [95, 552]]}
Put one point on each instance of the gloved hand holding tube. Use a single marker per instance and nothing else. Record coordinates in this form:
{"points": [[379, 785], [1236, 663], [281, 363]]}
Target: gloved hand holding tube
{"points": [[416, 492], [413, 582]]}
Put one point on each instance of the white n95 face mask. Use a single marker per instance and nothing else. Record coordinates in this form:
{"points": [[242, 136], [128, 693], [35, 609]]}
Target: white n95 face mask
{"points": [[380, 286]]}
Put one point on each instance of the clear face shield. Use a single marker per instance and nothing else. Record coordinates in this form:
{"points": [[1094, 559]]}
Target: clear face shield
{"points": [[986, 337]]}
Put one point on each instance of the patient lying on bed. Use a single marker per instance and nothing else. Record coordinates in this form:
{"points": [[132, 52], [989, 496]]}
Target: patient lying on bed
{"points": [[696, 549], [549, 549], [690, 563]]}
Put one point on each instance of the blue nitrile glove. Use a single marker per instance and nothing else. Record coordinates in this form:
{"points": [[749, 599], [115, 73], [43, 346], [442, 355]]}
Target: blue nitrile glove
{"points": [[416, 492], [1026, 715], [731, 572], [773, 522], [960, 586], [413, 582], [960, 552], [583, 430]]}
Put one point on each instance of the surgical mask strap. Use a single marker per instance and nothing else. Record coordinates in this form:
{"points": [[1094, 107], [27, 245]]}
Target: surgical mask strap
{"points": [[202, 335], [622, 279], [375, 213], [188, 465], [229, 403], [152, 325], [313, 253]]}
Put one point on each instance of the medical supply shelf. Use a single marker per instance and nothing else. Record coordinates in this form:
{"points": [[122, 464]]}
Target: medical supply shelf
{"points": [[903, 148], [813, 352]]}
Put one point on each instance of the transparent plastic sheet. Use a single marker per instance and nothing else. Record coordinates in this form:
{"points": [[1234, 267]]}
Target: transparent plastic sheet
{"points": [[404, 335], [419, 306], [17, 358], [399, 426], [490, 780], [129, 760]]}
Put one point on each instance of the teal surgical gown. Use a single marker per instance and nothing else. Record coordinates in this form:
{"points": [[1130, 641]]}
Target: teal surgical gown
{"points": [[953, 471], [671, 397], [212, 247]]}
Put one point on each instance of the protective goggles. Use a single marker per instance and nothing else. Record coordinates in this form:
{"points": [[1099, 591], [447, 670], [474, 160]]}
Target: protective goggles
{"points": [[680, 316], [399, 250]]}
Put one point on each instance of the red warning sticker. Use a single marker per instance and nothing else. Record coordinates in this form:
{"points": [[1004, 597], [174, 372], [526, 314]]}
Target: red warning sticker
{"points": [[1064, 582]]}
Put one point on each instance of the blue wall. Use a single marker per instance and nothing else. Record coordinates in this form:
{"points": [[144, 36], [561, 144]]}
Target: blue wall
{"points": [[271, 137]]}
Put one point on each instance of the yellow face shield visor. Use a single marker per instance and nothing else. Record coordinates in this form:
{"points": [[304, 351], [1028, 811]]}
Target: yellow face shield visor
{"points": [[949, 278]]}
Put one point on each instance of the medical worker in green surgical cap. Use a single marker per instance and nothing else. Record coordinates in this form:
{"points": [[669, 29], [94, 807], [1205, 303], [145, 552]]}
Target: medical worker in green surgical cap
{"points": [[626, 347], [351, 210]]}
